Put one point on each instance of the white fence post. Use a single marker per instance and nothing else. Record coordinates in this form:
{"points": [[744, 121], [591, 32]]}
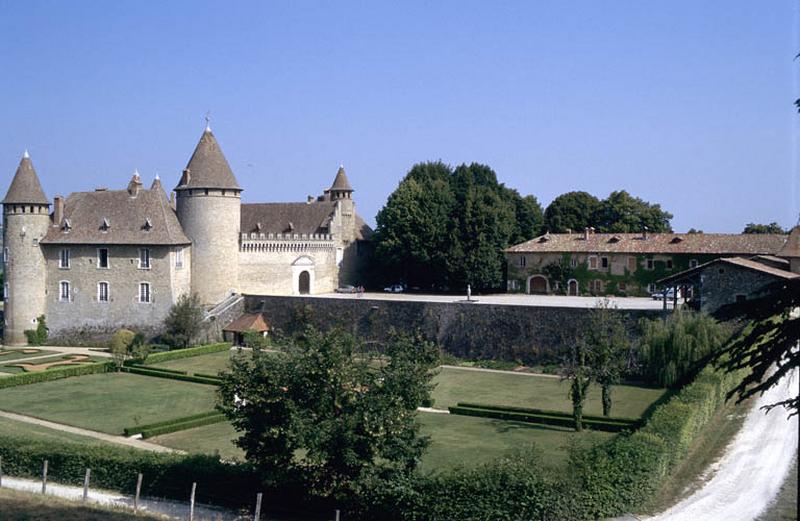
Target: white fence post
{"points": [[44, 477], [257, 517], [138, 490], [86, 483], [191, 502], [337, 514]]}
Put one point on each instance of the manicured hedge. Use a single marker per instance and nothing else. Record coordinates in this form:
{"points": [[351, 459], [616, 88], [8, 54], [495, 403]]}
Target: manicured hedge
{"points": [[55, 374], [528, 410], [211, 376], [543, 419], [177, 354], [160, 369], [140, 370], [182, 426], [130, 431]]}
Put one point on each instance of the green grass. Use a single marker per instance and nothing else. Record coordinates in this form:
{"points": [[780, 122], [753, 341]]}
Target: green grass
{"points": [[540, 392], [212, 363], [16, 354], [108, 402], [208, 439], [37, 432], [10, 367], [26, 506]]}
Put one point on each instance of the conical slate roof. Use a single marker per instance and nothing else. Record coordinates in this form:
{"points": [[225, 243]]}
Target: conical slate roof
{"points": [[792, 246], [25, 187], [208, 167], [341, 183]]}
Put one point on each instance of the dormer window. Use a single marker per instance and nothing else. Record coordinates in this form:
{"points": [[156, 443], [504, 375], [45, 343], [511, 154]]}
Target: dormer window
{"points": [[66, 226], [258, 227], [615, 238], [105, 225], [147, 226], [676, 240]]}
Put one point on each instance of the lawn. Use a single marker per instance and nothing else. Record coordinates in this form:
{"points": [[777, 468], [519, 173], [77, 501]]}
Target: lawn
{"points": [[109, 402], [26, 506], [209, 439], [37, 432], [11, 367], [526, 390], [7, 355], [212, 363]]}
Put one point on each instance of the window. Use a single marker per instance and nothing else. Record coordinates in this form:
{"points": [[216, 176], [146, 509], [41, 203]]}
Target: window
{"points": [[5, 254], [573, 262], [651, 288], [5, 291], [649, 264], [592, 262], [622, 286], [144, 258], [102, 258], [179, 258], [102, 291], [63, 260], [144, 292], [522, 261], [669, 264], [604, 262], [596, 286], [693, 263], [632, 263], [65, 292]]}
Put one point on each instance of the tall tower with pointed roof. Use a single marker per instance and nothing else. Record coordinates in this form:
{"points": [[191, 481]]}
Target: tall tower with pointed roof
{"points": [[343, 226], [208, 203], [26, 219]]}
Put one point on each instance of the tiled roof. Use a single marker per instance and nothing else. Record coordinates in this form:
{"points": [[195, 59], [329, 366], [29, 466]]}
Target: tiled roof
{"points": [[363, 231], [340, 182], [309, 218], [248, 322], [25, 187], [701, 243], [208, 167], [128, 219], [735, 261], [792, 246]]}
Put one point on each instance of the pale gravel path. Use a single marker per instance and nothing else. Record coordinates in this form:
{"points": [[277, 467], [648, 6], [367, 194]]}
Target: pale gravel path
{"points": [[501, 371], [110, 438], [749, 475]]}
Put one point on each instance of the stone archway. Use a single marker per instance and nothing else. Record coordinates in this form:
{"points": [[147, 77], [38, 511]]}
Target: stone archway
{"points": [[304, 282], [538, 285], [572, 288]]}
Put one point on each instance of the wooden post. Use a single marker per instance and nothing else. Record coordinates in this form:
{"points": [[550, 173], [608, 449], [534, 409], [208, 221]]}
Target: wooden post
{"points": [[44, 477], [138, 490], [86, 483], [257, 517], [191, 502], [337, 515], [1, 471]]}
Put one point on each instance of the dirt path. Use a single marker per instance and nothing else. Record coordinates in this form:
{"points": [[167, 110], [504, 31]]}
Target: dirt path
{"points": [[119, 440], [501, 371], [750, 473]]}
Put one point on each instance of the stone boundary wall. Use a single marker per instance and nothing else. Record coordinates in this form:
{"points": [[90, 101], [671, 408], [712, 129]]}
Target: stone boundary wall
{"points": [[532, 334]]}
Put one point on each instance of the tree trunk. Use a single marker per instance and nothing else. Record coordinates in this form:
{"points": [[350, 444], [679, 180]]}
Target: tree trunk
{"points": [[606, 399], [577, 413]]}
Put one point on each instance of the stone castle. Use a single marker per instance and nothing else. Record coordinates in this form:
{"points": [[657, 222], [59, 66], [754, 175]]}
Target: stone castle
{"points": [[106, 259]]}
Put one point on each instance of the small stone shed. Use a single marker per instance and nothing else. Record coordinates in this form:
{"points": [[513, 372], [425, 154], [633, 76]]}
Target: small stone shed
{"points": [[247, 323]]}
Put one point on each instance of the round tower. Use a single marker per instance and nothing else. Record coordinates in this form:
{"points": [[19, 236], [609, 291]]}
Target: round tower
{"points": [[208, 203], [26, 219]]}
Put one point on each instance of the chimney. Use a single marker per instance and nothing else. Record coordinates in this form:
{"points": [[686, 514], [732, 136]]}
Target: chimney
{"points": [[310, 199], [569, 231], [135, 184], [586, 234], [644, 233], [58, 210], [187, 175]]}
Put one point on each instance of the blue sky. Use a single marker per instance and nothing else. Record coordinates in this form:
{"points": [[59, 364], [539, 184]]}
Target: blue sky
{"points": [[684, 103]]}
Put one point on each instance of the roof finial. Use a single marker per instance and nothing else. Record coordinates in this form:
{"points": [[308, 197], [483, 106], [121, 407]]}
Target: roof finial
{"points": [[26, 155], [208, 121], [157, 177], [135, 172]]}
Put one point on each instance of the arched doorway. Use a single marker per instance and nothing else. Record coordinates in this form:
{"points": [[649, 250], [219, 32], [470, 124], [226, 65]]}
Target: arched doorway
{"points": [[572, 288], [304, 283], [538, 285]]}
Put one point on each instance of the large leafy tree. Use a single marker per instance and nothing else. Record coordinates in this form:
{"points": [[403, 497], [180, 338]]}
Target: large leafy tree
{"points": [[610, 348], [772, 227], [320, 415], [623, 213], [570, 211], [444, 227]]}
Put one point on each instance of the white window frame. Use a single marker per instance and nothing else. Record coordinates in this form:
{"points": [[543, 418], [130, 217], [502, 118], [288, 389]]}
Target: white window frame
{"points": [[108, 259], [64, 255], [693, 263], [6, 291], [61, 285], [650, 264], [148, 294], [100, 293], [144, 254], [573, 262], [651, 288], [522, 261], [179, 258]]}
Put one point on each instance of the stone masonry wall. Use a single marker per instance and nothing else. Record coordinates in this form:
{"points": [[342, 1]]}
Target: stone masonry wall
{"points": [[527, 333], [722, 282]]}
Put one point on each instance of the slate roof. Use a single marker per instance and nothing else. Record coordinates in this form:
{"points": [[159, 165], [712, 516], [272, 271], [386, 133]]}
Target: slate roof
{"points": [[701, 243], [126, 216], [248, 322], [792, 246], [340, 182], [208, 167], [314, 217], [25, 187], [735, 261]]}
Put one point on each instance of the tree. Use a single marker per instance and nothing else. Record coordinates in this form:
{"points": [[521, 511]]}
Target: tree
{"points": [[529, 217], [121, 344], [577, 369], [183, 321], [769, 347], [610, 349], [38, 336], [570, 211], [320, 397], [772, 227], [620, 212]]}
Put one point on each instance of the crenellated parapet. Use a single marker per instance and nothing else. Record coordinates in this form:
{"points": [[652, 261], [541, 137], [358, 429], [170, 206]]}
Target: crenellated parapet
{"points": [[296, 243]]}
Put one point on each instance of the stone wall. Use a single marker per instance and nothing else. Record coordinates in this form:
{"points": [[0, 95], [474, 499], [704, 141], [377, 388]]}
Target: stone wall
{"points": [[722, 282], [274, 267], [531, 334]]}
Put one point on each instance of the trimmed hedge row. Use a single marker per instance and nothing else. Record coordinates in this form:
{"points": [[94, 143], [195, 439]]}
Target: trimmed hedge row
{"points": [[160, 369], [130, 431], [177, 354], [55, 374], [542, 419], [615, 419], [170, 376], [210, 376], [182, 426]]}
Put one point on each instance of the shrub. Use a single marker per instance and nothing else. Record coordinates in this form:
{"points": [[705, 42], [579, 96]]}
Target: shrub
{"points": [[177, 354], [55, 374], [144, 371], [38, 336], [183, 321], [256, 340], [152, 427], [121, 344], [182, 426]]}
